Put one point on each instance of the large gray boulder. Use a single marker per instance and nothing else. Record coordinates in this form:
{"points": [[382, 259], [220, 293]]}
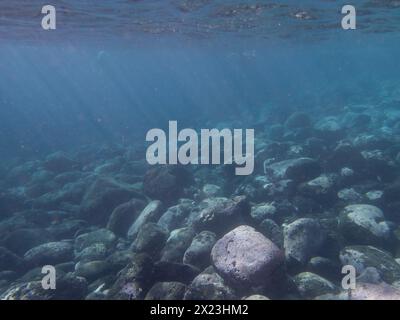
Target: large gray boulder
{"points": [[245, 257]]}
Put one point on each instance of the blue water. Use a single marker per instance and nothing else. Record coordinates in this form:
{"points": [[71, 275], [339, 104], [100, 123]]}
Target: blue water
{"points": [[79, 83], [113, 70]]}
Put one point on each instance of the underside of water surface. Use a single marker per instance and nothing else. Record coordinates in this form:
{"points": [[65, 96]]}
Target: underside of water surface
{"points": [[318, 217]]}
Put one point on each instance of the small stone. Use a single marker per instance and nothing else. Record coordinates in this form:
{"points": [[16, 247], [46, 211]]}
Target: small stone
{"points": [[104, 236], [102, 197], [222, 214], [298, 120], [174, 218], [123, 216], [349, 195], [262, 211], [211, 190], [96, 251], [177, 243], [257, 297], [151, 213], [299, 170], [166, 183], [374, 195], [134, 280], [272, 231], [49, 253], [364, 224], [166, 291], [325, 267], [150, 239], [311, 285], [209, 286], [91, 270], [59, 162], [172, 271], [302, 239], [198, 253]]}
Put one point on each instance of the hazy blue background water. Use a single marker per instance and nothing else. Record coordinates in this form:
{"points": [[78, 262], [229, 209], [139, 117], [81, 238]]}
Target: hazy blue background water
{"points": [[60, 89]]}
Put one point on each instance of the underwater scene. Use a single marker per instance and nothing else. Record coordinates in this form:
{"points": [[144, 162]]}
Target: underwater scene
{"points": [[199, 150]]}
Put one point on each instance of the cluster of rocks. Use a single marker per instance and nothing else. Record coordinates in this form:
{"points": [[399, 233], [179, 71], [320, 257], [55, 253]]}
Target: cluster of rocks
{"points": [[324, 194]]}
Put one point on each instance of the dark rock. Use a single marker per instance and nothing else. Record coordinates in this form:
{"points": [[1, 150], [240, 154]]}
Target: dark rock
{"points": [[272, 231], [151, 213], [9, 260], [49, 253], [103, 236], [96, 251], [198, 253], [10, 203], [321, 189], [311, 285], [134, 280], [103, 196], [379, 165], [120, 259], [21, 240], [302, 239], [150, 239], [170, 271], [177, 243], [209, 287], [345, 155], [298, 120], [92, 270], [175, 217], [325, 267], [166, 183], [166, 291], [59, 162], [70, 193], [67, 228], [222, 215], [391, 192], [364, 224], [276, 132], [299, 170], [123, 216]]}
